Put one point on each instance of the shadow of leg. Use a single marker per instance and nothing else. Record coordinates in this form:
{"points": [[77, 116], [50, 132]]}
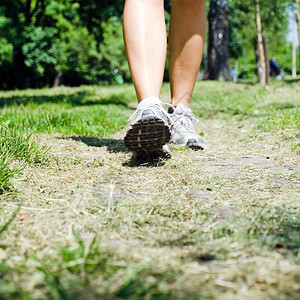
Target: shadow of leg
{"points": [[113, 145], [145, 159]]}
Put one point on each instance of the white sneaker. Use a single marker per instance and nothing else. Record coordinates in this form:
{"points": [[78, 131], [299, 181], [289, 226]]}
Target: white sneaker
{"points": [[183, 132], [149, 130]]}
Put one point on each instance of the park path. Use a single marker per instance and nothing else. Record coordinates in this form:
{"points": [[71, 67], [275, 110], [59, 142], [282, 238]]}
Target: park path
{"points": [[234, 171], [89, 185]]}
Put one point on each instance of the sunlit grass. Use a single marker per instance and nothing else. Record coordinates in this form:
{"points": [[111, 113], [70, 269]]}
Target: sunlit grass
{"points": [[17, 148], [271, 108], [218, 224], [93, 111]]}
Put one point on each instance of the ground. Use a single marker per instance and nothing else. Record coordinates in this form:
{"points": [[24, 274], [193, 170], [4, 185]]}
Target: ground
{"points": [[223, 223]]}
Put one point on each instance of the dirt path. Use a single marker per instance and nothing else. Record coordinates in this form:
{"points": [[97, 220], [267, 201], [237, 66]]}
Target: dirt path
{"points": [[151, 213]]}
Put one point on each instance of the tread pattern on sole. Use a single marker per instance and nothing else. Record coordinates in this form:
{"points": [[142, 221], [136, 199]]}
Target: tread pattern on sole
{"points": [[148, 134], [192, 144]]}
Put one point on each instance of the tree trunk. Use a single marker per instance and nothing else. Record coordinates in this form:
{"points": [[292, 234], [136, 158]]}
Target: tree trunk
{"points": [[261, 52], [294, 60], [298, 22], [57, 79], [266, 54], [258, 73], [19, 70], [218, 55]]}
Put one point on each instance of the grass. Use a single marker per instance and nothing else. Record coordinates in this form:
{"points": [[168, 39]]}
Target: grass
{"points": [[17, 149], [87, 110], [81, 221]]}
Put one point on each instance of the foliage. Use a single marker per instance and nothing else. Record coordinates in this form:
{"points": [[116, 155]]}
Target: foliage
{"points": [[6, 48], [112, 49], [6, 51], [82, 40], [243, 31], [47, 37], [40, 50]]}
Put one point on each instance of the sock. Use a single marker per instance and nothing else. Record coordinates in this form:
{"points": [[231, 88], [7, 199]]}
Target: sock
{"points": [[149, 101]]}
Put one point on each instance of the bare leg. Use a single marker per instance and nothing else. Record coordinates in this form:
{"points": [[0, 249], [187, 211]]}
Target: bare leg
{"points": [[145, 41], [186, 39]]}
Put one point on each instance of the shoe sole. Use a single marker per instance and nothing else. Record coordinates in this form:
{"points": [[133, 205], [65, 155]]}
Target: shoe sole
{"points": [[195, 147], [192, 144], [148, 134]]}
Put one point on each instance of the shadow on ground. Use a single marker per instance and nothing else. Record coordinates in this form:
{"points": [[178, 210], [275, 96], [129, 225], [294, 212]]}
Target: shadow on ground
{"points": [[143, 159], [274, 227], [113, 145], [75, 99], [279, 106], [117, 146], [291, 81]]}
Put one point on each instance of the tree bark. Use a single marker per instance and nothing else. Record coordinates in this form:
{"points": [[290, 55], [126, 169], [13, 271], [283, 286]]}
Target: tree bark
{"points": [[19, 69], [266, 54], [27, 12], [294, 60], [57, 79], [257, 60], [218, 54], [261, 52], [298, 22]]}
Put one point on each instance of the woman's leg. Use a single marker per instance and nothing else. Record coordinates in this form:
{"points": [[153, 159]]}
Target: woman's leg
{"points": [[186, 40], [145, 41]]}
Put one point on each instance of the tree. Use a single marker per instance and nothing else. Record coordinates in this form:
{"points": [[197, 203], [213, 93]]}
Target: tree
{"points": [[243, 32], [297, 11], [43, 41], [262, 65], [112, 51], [6, 48], [31, 32], [218, 54]]}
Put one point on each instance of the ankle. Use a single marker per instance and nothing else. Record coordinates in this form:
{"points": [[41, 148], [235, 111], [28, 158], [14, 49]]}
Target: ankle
{"points": [[175, 103], [148, 101]]}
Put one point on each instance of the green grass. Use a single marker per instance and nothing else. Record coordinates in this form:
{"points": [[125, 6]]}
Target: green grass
{"points": [[275, 108], [94, 270], [94, 121], [78, 221], [100, 111], [17, 149], [272, 108], [80, 111], [86, 111]]}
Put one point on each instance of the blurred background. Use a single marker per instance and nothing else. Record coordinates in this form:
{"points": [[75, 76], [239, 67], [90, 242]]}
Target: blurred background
{"points": [[45, 43]]}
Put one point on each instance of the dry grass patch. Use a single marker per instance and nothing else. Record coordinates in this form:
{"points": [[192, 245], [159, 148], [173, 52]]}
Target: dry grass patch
{"points": [[219, 224]]}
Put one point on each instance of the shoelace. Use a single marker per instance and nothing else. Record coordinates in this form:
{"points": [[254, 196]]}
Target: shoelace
{"points": [[159, 107], [191, 116]]}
